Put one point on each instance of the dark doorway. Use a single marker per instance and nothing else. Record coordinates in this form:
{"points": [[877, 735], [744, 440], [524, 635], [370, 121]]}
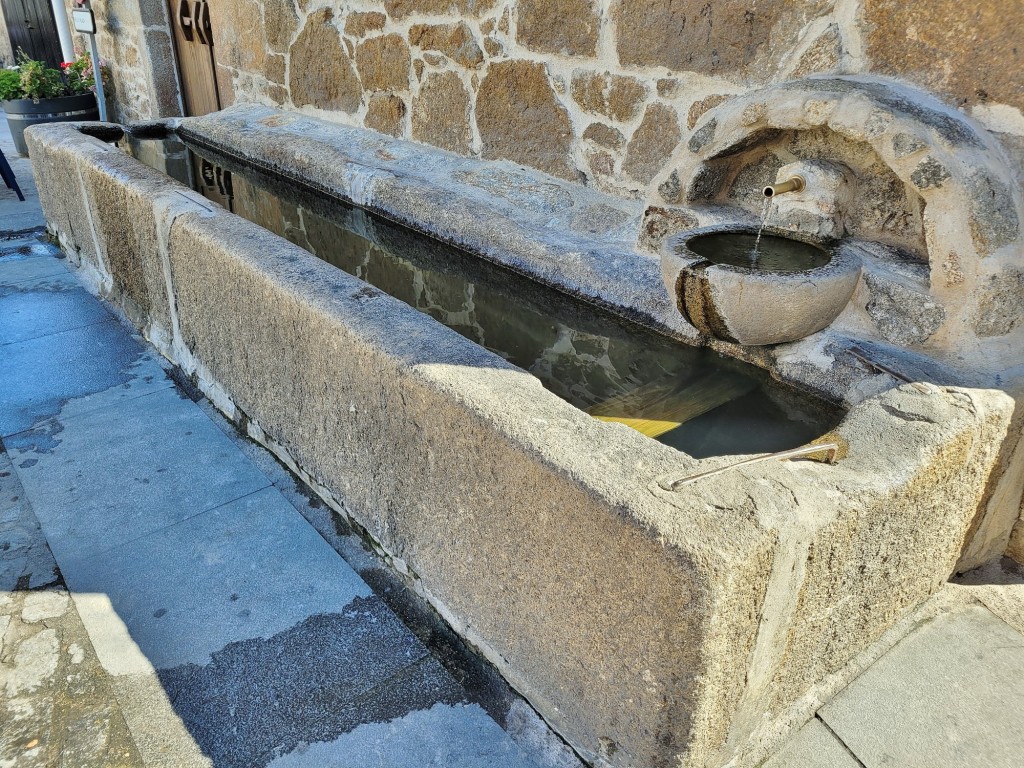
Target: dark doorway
{"points": [[31, 28]]}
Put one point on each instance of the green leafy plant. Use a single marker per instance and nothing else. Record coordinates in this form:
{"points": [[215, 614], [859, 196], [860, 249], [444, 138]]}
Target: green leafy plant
{"points": [[39, 81], [35, 80], [10, 84]]}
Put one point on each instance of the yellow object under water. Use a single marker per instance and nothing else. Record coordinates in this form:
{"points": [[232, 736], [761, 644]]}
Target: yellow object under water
{"points": [[663, 405]]}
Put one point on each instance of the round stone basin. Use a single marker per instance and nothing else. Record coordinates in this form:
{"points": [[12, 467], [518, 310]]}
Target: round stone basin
{"points": [[788, 289], [774, 254]]}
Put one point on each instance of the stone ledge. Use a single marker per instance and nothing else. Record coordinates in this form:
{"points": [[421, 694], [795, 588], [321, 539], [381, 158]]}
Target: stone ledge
{"points": [[572, 238], [577, 240]]}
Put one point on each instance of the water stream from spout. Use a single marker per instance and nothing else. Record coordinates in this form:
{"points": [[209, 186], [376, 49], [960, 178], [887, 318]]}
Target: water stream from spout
{"points": [[765, 210]]}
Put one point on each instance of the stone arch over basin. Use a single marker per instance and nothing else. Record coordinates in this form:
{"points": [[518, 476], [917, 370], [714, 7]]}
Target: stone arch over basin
{"points": [[961, 254]]}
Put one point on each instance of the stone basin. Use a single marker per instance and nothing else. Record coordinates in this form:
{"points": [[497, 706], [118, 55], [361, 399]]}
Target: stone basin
{"points": [[649, 627], [789, 289]]}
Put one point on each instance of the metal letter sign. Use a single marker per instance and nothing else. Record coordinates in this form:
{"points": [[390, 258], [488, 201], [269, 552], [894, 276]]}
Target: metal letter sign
{"points": [[85, 22]]}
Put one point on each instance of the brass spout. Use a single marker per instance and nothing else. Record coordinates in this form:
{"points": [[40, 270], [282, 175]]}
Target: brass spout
{"points": [[792, 184]]}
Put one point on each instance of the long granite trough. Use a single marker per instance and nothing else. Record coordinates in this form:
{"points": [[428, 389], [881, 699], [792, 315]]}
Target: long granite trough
{"points": [[649, 627]]}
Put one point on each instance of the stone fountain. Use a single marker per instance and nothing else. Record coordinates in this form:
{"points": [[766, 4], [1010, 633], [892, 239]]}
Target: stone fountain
{"points": [[917, 194]]}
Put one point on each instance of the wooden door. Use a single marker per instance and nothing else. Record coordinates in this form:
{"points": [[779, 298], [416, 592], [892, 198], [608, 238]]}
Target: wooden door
{"points": [[193, 41], [32, 29]]}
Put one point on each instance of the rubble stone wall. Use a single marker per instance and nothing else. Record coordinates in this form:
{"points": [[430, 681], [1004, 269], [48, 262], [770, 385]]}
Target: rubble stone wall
{"points": [[599, 91], [134, 40]]}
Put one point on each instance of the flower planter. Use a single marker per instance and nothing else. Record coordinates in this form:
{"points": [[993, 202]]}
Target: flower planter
{"points": [[21, 113]]}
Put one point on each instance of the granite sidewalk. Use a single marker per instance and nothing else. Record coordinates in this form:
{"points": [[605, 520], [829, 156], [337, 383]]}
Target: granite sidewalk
{"points": [[948, 695]]}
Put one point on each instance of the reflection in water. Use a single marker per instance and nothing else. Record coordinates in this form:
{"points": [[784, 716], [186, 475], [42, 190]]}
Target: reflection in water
{"points": [[761, 252], [686, 397]]}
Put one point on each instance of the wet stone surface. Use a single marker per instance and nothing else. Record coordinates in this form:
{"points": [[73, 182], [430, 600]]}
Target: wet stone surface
{"points": [[244, 719]]}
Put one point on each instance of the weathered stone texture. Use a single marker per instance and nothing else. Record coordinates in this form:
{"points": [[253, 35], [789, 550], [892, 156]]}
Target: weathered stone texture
{"points": [[929, 174], [386, 114], [58, 705], [698, 108], [281, 22], [904, 145], [728, 36], [239, 37], [520, 119], [605, 135], [968, 53], [140, 62], [601, 164], [823, 55], [383, 63], [493, 47], [902, 316], [1000, 305], [659, 223], [399, 9], [225, 86], [653, 142], [167, 99], [994, 220], [456, 41], [278, 94], [321, 73], [671, 189], [274, 68], [440, 113], [703, 136], [566, 27], [668, 87], [614, 96], [359, 23]]}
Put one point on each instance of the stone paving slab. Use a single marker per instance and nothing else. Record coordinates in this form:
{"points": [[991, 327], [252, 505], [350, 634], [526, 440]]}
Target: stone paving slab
{"points": [[216, 601], [814, 746], [250, 721], [999, 586], [161, 737], [950, 694], [56, 705], [127, 470], [44, 305], [25, 558], [251, 568], [458, 736], [73, 372], [27, 262], [15, 215]]}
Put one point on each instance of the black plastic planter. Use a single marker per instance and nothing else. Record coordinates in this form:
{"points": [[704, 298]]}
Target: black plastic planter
{"points": [[21, 113]]}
